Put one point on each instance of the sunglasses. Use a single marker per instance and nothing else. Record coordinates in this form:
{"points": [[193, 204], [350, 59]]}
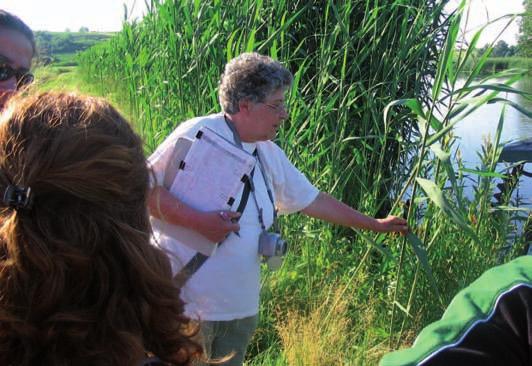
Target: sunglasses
{"points": [[23, 76]]}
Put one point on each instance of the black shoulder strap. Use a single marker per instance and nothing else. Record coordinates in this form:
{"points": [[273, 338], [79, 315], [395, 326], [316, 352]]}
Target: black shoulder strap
{"points": [[248, 187], [198, 259]]}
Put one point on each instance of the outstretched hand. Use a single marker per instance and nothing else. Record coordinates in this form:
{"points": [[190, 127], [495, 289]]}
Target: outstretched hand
{"points": [[217, 225], [392, 224]]}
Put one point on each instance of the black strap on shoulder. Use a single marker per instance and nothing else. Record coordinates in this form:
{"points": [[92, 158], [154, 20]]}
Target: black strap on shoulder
{"points": [[198, 259], [248, 187]]}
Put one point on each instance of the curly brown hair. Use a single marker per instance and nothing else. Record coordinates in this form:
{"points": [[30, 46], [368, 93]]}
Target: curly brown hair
{"points": [[80, 283]]}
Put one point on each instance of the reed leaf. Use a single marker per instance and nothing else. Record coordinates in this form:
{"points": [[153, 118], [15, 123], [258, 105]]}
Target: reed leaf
{"points": [[436, 196]]}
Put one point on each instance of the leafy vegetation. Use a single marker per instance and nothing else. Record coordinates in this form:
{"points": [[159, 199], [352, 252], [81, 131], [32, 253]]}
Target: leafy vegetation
{"points": [[374, 101], [61, 47], [525, 31]]}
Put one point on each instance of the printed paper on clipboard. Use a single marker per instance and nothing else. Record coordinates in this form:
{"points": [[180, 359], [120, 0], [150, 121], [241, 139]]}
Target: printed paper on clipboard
{"points": [[208, 178]]}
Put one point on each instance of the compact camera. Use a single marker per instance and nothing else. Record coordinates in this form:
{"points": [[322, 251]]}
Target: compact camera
{"points": [[273, 248]]}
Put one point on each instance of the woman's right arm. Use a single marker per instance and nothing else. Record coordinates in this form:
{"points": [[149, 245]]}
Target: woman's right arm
{"points": [[214, 225]]}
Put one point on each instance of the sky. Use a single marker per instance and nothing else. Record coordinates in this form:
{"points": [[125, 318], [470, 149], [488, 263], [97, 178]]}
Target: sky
{"points": [[483, 11], [108, 15], [58, 15]]}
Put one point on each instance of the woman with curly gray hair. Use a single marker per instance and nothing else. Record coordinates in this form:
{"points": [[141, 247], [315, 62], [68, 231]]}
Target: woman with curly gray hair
{"points": [[252, 77], [222, 290]]}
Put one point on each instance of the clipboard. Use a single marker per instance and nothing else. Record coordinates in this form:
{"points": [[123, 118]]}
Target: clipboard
{"points": [[205, 173]]}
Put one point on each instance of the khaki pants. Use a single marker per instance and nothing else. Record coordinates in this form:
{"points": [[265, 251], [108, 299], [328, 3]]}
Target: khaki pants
{"points": [[222, 338]]}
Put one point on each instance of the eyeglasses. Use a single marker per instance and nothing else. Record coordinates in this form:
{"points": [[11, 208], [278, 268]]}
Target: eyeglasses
{"points": [[23, 76], [283, 107]]}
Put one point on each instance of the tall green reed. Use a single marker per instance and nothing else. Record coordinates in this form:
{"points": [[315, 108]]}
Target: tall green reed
{"points": [[438, 181]]}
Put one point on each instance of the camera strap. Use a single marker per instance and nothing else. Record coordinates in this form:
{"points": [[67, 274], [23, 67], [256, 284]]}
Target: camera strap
{"points": [[238, 142], [249, 183], [270, 196]]}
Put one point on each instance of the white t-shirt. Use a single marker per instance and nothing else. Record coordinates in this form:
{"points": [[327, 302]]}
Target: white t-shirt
{"points": [[226, 287]]}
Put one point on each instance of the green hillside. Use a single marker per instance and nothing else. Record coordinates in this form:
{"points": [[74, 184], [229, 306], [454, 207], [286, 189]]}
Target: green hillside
{"points": [[61, 47]]}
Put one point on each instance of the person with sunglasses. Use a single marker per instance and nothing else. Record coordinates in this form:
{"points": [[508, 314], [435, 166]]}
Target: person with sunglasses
{"points": [[223, 292], [17, 48]]}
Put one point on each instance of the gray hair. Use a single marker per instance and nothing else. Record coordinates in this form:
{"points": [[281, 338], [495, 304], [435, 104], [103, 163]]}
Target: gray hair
{"points": [[253, 77]]}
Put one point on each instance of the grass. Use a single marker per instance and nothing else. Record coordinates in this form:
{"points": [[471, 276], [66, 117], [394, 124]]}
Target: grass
{"points": [[64, 78], [69, 79], [65, 59], [308, 339], [373, 104]]}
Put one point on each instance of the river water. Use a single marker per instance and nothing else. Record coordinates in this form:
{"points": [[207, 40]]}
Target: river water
{"points": [[483, 122]]}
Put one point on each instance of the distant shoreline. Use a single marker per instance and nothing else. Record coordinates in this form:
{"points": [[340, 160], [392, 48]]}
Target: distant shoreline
{"points": [[498, 64]]}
